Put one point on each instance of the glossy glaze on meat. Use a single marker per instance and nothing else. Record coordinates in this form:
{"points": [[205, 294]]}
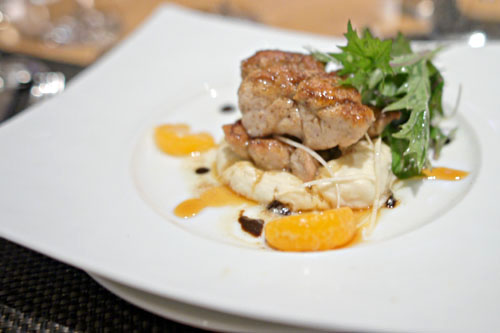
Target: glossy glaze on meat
{"points": [[332, 115], [284, 93], [290, 93], [274, 58]]}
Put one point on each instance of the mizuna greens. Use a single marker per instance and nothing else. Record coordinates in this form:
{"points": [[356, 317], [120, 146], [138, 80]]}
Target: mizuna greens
{"points": [[391, 77]]}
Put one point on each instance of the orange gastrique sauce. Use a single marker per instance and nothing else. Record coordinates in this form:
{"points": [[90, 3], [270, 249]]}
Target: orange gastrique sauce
{"points": [[444, 174], [217, 196]]}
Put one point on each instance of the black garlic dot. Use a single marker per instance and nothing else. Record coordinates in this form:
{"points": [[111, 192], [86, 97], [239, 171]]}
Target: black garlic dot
{"points": [[391, 202], [227, 108], [252, 226], [202, 170], [278, 207]]}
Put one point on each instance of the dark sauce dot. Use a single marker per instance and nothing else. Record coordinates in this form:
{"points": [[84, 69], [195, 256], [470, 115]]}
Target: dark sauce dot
{"points": [[279, 208], [252, 226], [291, 137], [227, 108], [391, 202], [202, 170], [330, 154]]}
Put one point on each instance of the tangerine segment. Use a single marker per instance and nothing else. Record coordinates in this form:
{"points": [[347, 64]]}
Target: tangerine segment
{"points": [[312, 231], [175, 139]]}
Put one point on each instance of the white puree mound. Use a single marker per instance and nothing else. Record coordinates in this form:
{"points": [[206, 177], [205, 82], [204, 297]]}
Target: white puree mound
{"points": [[355, 184]]}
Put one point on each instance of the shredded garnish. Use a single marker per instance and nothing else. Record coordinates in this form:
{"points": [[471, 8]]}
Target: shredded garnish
{"points": [[308, 150], [376, 200], [339, 179], [376, 154], [367, 137]]}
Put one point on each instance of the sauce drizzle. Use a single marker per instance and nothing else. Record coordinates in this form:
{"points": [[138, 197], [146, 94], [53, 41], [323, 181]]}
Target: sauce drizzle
{"points": [[217, 196], [444, 174]]}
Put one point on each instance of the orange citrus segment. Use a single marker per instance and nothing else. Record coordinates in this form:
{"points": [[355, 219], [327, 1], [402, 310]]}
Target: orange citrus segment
{"points": [[176, 140], [312, 231]]}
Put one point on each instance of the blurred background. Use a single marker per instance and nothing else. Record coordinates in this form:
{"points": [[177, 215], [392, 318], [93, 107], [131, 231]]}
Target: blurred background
{"points": [[44, 43], [79, 31]]}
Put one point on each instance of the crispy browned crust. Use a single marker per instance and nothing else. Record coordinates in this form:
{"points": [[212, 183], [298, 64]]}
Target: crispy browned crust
{"points": [[267, 154], [303, 165], [290, 93], [275, 81], [270, 154], [270, 58], [237, 138], [322, 90]]}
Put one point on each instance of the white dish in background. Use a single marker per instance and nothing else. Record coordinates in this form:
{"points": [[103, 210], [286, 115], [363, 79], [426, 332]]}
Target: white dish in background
{"points": [[69, 189]]}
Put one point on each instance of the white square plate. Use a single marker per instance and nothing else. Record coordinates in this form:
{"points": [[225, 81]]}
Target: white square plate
{"points": [[69, 190]]}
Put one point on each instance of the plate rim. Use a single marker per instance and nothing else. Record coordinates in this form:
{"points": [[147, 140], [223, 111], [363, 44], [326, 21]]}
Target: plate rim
{"points": [[87, 263]]}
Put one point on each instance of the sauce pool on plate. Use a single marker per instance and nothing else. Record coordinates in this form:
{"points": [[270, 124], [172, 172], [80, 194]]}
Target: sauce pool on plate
{"points": [[444, 174], [217, 196]]}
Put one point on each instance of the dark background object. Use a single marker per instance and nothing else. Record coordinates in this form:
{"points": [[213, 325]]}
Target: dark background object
{"points": [[38, 293], [449, 22], [15, 99]]}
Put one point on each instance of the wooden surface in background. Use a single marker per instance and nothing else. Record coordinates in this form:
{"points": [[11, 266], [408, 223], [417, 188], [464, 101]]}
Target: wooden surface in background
{"points": [[328, 17]]}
